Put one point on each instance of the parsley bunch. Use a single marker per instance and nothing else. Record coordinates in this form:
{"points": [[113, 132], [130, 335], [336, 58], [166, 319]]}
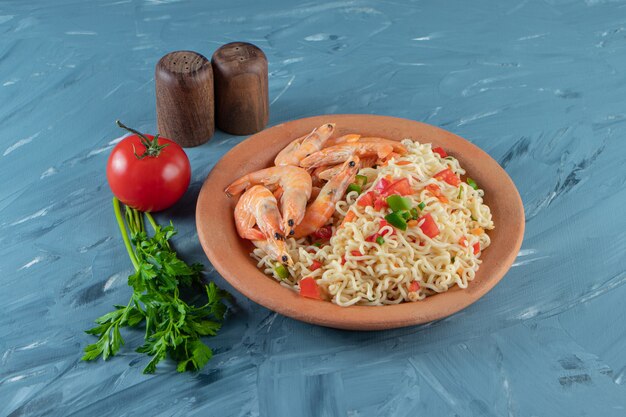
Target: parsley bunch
{"points": [[173, 326]]}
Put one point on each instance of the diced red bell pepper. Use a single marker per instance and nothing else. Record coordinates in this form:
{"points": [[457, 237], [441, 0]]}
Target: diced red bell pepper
{"points": [[400, 187], [315, 266], [463, 241], [366, 200], [476, 247], [448, 176], [440, 151], [414, 286], [428, 226], [323, 233], [356, 253], [309, 288], [343, 260]]}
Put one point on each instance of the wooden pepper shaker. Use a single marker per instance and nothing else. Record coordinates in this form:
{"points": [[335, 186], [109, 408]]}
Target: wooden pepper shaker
{"points": [[184, 98], [241, 93]]}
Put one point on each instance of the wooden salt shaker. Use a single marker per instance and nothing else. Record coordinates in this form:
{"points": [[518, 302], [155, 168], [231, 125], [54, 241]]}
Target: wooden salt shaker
{"points": [[184, 98], [241, 93]]}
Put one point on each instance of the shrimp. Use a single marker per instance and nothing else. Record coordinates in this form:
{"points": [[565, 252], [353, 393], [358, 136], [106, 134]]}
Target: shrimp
{"points": [[257, 206], [315, 191], [316, 172], [328, 172], [296, 186], [397, 146], [301, 147], [341, 153], [351, 137], [320, 211], [285, 156], [273, 250]]}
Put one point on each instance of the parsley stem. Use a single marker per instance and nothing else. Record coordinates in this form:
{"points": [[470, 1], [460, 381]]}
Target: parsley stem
{"points": [[152, 222], [128, 216], [120, 223], [139, 220]]}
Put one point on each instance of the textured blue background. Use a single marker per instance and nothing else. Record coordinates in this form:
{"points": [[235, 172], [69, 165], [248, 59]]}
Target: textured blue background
{"points": [[539, 85]]}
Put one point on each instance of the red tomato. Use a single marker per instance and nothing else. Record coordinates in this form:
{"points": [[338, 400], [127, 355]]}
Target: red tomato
{"points": [[448, 176], [380, 203], [148, 183], [476, 247], [315, 266], [382, 223], [323, 233], [366, 200], [429, 227], [442, 153], [382, 184], [436, 191], [400, 187], [309, 288], [372, 238]]}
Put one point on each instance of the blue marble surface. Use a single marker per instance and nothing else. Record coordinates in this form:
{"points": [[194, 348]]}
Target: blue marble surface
{"points": [[539, 85]]}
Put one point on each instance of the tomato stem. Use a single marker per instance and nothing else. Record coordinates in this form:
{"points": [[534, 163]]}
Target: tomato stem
{"points": [[153, 149], [120, 223]]}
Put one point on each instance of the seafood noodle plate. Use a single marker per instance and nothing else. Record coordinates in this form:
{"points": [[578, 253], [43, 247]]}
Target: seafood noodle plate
{"points": [[363, 220]]}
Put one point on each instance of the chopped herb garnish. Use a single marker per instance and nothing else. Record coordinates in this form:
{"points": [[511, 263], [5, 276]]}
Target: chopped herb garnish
{"points": [[472, 183], [380, 240], [421, 205]]}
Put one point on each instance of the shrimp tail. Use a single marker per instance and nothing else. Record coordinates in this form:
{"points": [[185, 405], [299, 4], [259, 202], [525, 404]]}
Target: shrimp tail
{"points": [[384, 151], [238, 186]]}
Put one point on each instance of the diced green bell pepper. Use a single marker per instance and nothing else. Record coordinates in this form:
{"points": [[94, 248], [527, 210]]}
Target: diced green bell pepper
{"points": [[355, 187], [397, 203], [396, 220], [281, 271]]}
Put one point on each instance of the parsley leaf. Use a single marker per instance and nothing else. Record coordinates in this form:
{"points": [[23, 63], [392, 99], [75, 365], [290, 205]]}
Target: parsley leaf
{"points": [[172, 326]]}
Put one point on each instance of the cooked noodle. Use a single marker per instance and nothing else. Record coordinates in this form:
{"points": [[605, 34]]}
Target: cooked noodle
{"points": [[384, 273]]}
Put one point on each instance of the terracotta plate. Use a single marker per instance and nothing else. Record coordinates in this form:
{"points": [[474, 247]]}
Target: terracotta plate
{"points": [[230, 255]]}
